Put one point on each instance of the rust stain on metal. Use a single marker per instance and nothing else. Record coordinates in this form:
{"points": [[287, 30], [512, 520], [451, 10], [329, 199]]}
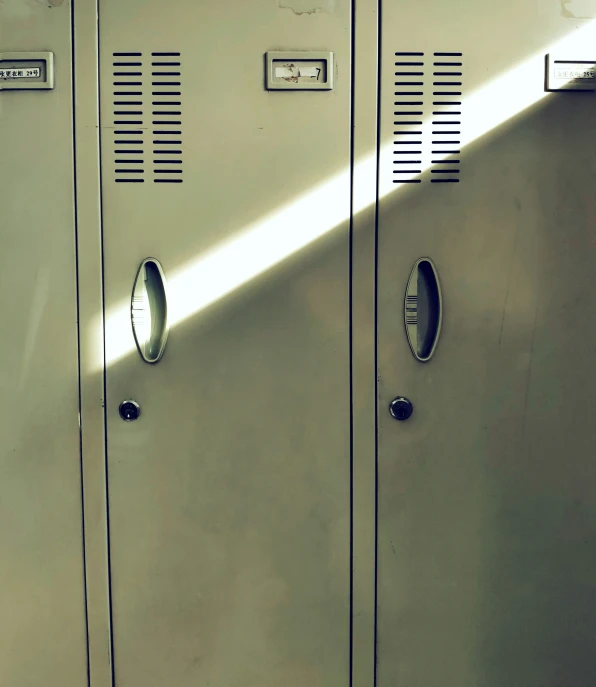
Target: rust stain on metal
{"points": [[292, 79]]}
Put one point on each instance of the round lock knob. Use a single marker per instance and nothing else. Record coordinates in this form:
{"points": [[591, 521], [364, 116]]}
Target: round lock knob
{"points": [[129, 410], [401, 408]]}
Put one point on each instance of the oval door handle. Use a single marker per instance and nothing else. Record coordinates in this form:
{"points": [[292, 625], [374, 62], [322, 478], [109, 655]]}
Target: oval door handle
{"points": [[423, 309], [149, 311]]}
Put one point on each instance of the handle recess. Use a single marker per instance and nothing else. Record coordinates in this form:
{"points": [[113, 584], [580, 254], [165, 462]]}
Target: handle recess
{"points": [[423, 309], [149, 311]]}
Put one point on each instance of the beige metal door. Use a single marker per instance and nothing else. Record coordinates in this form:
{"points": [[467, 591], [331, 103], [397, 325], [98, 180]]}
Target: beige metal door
{"points": [[229, 499], [487, 494], [43, 633]]}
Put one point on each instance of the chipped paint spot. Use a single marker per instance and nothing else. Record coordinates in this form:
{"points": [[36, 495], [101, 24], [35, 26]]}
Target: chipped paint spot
{"points": [[314, 10], [36, 312], [578, 9], [305, 7], [564, 11]]}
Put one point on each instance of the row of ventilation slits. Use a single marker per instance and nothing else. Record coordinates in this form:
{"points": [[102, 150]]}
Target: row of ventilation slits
{"points": [[133, 149], [166, 104], [408, 111], [446, 121], [128, 117]]}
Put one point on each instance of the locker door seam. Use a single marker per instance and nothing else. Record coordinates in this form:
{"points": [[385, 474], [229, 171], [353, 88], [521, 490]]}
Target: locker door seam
{"points": [[77, 307], [350, 332], [105, 385], [376, 334]]}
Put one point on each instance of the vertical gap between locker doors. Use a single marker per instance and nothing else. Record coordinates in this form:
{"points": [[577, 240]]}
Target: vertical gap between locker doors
{"points": [[79, 389], [376, 325]]}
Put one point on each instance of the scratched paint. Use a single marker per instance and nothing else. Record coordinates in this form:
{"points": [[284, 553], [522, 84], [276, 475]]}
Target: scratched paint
{"points": [[578, 9], [36, 312], [23, 9], [307, 7]]}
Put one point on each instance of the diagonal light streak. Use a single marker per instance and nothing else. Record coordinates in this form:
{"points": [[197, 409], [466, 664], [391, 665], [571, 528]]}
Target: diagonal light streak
{"points": [[206, 279]]}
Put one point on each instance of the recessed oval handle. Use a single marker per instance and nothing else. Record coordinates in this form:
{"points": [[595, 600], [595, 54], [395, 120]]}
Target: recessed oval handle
{"points": [[423, 309], [149, 311]]}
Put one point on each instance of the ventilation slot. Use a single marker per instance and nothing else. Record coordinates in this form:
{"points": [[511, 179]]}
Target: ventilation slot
{"points": [[128, 117], [166, 117], [407, 117], [446, 117]]}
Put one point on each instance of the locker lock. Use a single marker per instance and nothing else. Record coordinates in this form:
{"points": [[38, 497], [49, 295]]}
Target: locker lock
{"points": [[129, 410], [401, 408]]}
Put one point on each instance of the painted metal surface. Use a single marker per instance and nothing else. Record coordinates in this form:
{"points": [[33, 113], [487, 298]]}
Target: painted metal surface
{"points": [[43, 632], [91, 351], [229, 496], [487, 495]]}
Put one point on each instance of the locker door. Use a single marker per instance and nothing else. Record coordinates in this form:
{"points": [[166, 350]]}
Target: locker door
{"points": [[229, 495], [487, 494], [43, 634]]}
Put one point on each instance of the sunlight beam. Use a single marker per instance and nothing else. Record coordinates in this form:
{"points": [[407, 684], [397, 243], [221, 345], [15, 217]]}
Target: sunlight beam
{"points": [[202, 281]]}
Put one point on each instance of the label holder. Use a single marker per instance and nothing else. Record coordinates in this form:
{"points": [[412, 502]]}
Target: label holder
{"points": [[299, 71], [29, 71], [566, 74]]}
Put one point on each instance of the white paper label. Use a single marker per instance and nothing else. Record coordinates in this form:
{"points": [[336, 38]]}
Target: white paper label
{"points": [[310, 71], [285, 72], [293, 72], [29, 73], [569, 74]]}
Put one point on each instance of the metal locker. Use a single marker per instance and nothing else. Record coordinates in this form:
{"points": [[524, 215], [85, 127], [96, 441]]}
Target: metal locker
{"points": [[43, 632], [226, 223], [487, 493]]}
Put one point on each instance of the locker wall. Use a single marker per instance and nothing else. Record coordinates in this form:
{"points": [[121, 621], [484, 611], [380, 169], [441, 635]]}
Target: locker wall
{"points": [[486, 494], [246, 502], [229, 497], [42, 590]]}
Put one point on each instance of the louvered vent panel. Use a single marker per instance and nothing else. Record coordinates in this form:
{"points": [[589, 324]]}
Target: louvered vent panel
{"points": [[128, 117], [166, 111], [446, 117], [408, 114], [427, 120]]}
